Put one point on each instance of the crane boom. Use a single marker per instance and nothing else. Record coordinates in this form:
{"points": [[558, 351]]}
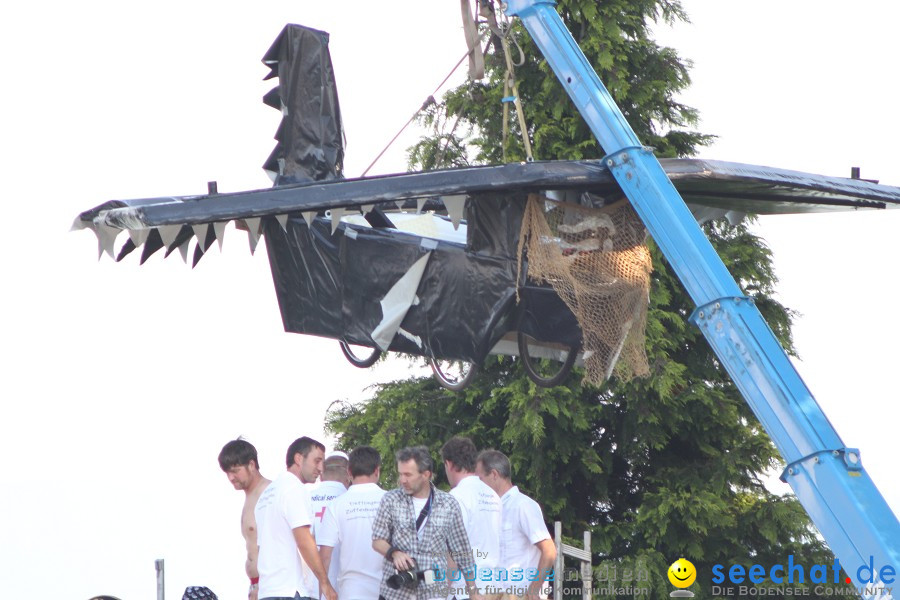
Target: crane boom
{"points": [[827, 477]]}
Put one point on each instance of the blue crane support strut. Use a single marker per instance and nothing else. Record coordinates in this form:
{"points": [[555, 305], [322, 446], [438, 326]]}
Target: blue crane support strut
{"points": [[827, 478]]}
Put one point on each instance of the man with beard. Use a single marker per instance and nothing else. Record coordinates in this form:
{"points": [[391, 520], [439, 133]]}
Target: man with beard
{"points": [[239, 461], [416, 528]]}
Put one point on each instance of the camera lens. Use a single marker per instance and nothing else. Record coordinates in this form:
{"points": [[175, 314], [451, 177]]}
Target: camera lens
{"points": [[395, 582]]}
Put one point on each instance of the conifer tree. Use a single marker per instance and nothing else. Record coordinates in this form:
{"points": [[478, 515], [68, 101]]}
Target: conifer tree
{"points": [[656, 468]]}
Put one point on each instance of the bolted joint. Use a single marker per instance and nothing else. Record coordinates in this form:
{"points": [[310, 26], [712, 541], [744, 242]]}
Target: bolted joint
{"points": [[850, 456], [711, 308]]}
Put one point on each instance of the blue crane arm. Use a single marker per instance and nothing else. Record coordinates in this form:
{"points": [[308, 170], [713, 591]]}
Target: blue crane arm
{"points": [[827, 477]]}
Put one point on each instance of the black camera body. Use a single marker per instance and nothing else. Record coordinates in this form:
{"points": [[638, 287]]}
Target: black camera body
{"points": [[405, 579], [410, 578]]}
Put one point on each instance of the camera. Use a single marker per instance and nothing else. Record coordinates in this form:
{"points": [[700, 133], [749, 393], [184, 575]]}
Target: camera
{"points": [[410, 578]]}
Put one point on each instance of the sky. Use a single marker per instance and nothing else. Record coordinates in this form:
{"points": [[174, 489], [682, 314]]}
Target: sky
{"points": [[120, 382]]}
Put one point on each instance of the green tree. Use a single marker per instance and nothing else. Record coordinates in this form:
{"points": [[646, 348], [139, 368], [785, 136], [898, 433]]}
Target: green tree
{"points": [[615, 36], [656, 468]]}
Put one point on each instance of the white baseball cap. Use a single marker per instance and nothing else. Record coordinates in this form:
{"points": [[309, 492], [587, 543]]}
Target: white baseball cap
{"points": [[337, 454]]}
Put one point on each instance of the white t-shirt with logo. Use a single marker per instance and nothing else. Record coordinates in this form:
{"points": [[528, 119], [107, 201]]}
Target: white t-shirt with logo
{"points": [[523, 527], [321, 495], [281, 508], [348, 526], [481, 510]]}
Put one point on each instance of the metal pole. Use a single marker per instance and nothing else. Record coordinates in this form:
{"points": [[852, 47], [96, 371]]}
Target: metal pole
{"points": [[558, 574], [587, 574], [160, 579]]}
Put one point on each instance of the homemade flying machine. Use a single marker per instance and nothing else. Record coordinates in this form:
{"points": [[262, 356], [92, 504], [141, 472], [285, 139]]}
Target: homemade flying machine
{"points": [[539, 259]]}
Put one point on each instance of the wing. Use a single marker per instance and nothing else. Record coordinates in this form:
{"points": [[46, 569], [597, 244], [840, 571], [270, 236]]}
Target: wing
{"points": [[710, 188]]}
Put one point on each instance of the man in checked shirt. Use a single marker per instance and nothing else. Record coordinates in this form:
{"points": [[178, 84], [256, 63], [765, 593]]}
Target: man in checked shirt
{"points": [[417, 527]]}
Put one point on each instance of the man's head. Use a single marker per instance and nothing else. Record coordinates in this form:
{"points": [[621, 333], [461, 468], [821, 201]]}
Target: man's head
{"points": [[304, 459], [414, 469], [334, 468], [492, 467], [238, 460], [365, 463], [459, 456]]}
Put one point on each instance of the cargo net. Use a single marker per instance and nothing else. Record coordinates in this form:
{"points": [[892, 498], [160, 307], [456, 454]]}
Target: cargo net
{"points": [[597, 262]]}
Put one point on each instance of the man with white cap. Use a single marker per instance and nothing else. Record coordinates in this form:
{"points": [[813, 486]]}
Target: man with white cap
{"points": [[334, 481]]}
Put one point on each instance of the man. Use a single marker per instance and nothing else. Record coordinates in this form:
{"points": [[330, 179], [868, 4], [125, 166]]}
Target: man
{"points": [[480, 506], [525, 543], [239, 461], [346, 535], [284, 517], [416, 527], [334, 482]]}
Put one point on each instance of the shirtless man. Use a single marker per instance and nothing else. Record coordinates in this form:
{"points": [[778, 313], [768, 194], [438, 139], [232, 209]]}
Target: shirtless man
{"points": [[238, 460]]}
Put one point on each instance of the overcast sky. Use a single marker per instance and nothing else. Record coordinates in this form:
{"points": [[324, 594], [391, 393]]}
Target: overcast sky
{"points": [[121, 383]]}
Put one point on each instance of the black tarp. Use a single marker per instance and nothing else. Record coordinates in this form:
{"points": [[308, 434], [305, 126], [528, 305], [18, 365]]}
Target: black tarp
{"points": [[310, 138], [331, 284]]}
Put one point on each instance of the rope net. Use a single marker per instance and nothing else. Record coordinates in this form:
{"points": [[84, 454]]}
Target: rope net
{"points": [[597, 262]]}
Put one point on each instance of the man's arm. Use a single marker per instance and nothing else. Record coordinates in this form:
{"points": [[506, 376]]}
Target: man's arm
{"points": [[383, 533], [310, 553], [252, 556], [251, 565], [548, 557], [328, 536], [325, 554], [460, 549], [248, 529], [401, 560]]}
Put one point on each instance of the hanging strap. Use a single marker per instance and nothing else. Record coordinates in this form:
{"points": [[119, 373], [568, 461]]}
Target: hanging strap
{"points": [[510, 87], [426, 510], [473, 41], [511, 94]]}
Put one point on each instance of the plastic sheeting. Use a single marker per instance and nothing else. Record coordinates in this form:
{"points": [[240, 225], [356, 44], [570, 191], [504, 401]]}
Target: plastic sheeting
{"points": [[380, 287], [332, 285], [310, 139]]}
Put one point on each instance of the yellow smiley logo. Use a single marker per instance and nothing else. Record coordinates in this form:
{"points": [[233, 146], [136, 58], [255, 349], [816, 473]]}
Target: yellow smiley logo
{"points": [[682, 573]]}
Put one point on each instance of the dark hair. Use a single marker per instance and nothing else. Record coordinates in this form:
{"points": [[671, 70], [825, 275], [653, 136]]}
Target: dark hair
{"points": [[237, 452], [364, 460], [419, 454], [461, 452], [303, 446], [494, 460]]}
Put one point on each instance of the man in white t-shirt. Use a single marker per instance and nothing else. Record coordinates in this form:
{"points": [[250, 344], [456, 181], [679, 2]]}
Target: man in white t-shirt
{"points": [[334, 481], [525, 542], [345, 536], [481, 508], [283, 519]]}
